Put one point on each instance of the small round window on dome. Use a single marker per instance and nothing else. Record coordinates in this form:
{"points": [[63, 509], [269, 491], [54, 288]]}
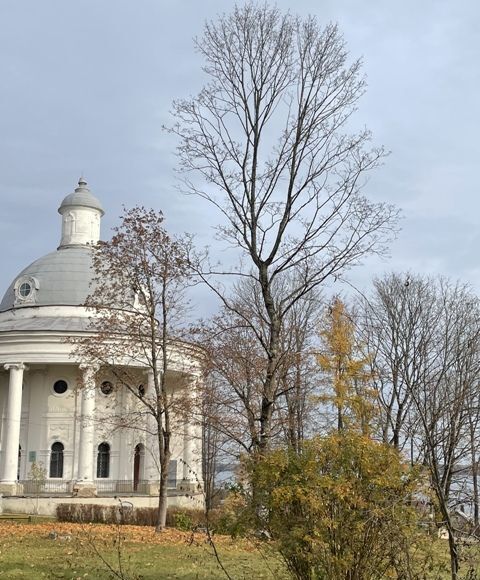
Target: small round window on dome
{"points": [[25, 289], [106, 387], [60, 387]]}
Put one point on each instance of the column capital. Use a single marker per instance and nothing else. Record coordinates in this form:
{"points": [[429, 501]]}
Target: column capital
{"points": [[89, 367], [15, 366]]}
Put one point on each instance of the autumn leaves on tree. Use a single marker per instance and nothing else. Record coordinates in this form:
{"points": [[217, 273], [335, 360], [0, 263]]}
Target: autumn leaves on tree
{"points": [[138, 306], [352, 395]]}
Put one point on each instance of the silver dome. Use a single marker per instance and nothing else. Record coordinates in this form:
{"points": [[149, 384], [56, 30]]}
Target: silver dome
{"points": [[63, 277]]}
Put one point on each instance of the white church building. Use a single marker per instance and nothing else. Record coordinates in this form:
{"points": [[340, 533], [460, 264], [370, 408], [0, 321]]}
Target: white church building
{"points": [[47, 421]]}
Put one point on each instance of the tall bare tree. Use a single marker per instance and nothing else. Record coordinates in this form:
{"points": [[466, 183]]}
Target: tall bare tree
{"points": [[398, 323], [138, 306], [441, 403], [236, 366], [423, 335], [266, 143]]}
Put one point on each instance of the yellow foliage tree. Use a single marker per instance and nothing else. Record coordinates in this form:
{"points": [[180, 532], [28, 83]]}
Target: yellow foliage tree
{"points": [[347, 371]]}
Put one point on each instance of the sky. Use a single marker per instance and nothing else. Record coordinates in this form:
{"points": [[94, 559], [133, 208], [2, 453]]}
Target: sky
{"points": [[87, 86]]}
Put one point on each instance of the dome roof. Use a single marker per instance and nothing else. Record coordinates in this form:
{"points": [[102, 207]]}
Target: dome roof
{"points": [[62, 278], [82, 196]]}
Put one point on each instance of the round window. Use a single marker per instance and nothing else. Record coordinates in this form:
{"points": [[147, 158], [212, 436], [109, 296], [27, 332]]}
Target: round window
{"points": [[25, 289], [106, 387], [60, 387]]}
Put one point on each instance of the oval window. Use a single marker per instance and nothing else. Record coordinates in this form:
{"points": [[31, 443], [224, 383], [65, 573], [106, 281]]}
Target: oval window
{"points": [[60, 387], [25, 289], [106, 387]]}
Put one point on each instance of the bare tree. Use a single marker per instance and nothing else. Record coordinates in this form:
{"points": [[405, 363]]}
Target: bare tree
{"points": [[473, 420], [423, 335], [138, 307], [237, 367], [267, 139], [398, 325], [298, 378], [219, 450], [440, 401]]}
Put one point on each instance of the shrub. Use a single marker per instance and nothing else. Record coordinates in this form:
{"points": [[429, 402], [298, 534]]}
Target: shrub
{"points": [[185, 519], [144, 516], [340, 509], [229, 518]]}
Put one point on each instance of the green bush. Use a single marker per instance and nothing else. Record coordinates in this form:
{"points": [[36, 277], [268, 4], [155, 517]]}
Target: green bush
{"points": [[183, 521]]}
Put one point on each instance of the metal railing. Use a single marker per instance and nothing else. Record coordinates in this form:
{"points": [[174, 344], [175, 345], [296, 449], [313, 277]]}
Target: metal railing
{"points": [[103, 487], [128, 486], [48, 487], [121, 486]]}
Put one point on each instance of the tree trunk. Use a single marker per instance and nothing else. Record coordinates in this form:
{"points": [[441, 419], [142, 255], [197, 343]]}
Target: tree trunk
{"points": [[165, 454], [269, 393], [476, 499], [453, 548], [452, 543], [162, 500], [473, 459]]}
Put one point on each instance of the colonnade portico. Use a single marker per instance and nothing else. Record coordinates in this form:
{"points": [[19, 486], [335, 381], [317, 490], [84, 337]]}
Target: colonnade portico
{"points": [[192, 479], [80, 444], [12, 423]]}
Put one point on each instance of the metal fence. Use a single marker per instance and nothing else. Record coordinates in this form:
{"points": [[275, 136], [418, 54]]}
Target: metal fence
{"points": [[122, 486], [103, 486], [33, 487], [128, 486]]}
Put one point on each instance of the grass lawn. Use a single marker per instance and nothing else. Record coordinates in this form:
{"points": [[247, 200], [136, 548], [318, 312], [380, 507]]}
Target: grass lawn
{"points": [[49, 549], [31, 550]]}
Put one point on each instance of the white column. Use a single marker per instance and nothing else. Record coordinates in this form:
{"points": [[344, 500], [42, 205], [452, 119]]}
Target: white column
{"points": [[87, 426], [152, 457], [189, 464], [192, 465], [14, 412], [122, 458], [188, 453]]}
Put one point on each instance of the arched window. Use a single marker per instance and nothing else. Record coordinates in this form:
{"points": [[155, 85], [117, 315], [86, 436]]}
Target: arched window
{"points": [[19, 461], [56, 460], [103, 460], [138, 463]]}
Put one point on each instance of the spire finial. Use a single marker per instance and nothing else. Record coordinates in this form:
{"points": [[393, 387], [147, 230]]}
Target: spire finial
{"points": [[82, 184]]}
